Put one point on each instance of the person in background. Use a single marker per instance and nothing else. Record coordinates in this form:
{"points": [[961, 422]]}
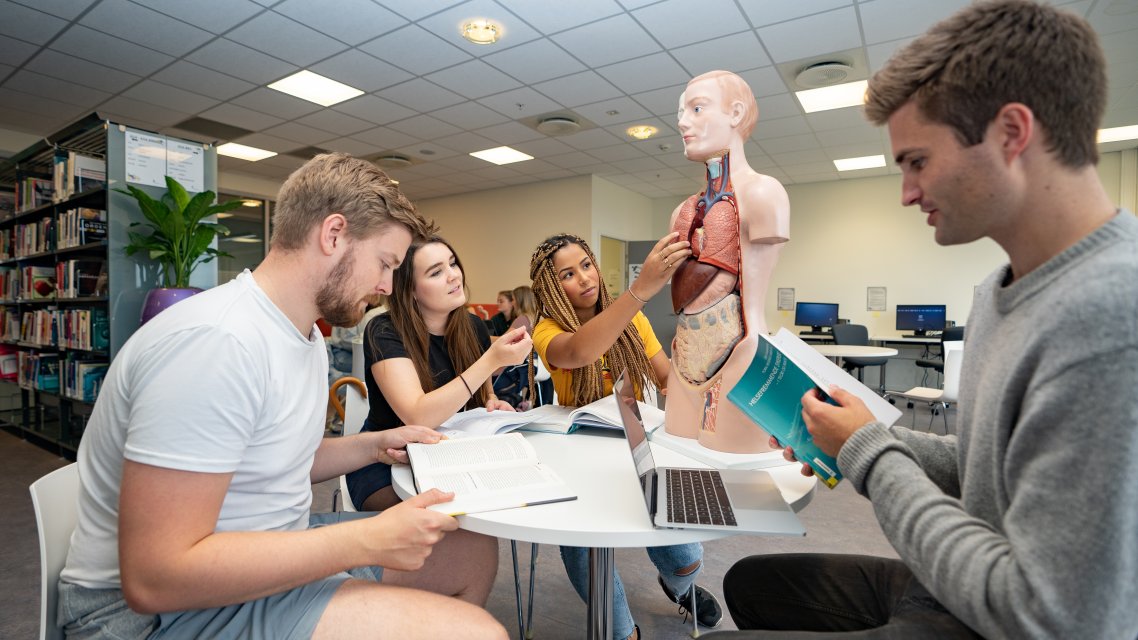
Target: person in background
{"points": [[197, 465], [583, 337], [516, 385], [427, 358], [992, 117], [499, 323]]}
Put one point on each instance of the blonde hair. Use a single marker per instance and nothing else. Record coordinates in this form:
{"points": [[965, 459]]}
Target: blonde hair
{"points": [[967, 67], [525, 304], [626, 354], [338, 183]]}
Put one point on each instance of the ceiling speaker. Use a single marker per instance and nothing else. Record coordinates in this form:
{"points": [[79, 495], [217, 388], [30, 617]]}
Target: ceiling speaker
{"points": [[558, 126], [823, 74]]}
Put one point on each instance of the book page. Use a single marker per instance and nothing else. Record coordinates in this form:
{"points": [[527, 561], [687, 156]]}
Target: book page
{"points": [[605, 414], [480, 422], [472, 452]]}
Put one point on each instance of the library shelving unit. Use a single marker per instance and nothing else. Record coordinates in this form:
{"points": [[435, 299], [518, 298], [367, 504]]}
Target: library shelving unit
{"points": [[44, 324]]}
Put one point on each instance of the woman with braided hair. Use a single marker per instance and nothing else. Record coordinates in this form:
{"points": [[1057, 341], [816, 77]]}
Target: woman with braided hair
{"points": [[584, 337]]}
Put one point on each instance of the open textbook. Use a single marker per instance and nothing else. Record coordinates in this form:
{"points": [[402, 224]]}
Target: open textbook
{"points": [[546, 418], [770, 393], [486, 474]]}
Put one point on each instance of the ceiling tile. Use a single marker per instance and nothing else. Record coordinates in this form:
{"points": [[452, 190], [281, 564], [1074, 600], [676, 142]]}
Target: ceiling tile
{"points": [[673, 24], [639, 164], [28, 121], [571, 160], [782, 105], [27, 24], [420, 95], [831, 31], [338, 123], [591, 139], [15, 52], [349, 21], [520, 103], [142, 26], [776, 127], [474, 79], [110, 51], [68, 9], [215, 16], [647, 73], [357, 69], [1113, 17], [416, 9], [616, 152], [859, 150], [267, 142], [466, 142], [41, 85], [543, 147], [385, 138], [300, 133], [142, 113], [191, 77], [240, 117], [776, 147], [885, 20], [535, 61], [764, 81], [552, 17], [415, 49], [427, 151], [746, 53], [580, 88], [663, 102], [374, 109], [173, 98], [352, 146], [836, 119], [761, 14], [627, 110], [255, 66], [862, 133], [21, 101], [282, 38], [878, 54], [469, 115], [275, 103], [424, 127], [79, 71], [595, 44]]}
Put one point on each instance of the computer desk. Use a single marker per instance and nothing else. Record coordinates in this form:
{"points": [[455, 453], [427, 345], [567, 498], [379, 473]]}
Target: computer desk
{"points": [[609, 511]]}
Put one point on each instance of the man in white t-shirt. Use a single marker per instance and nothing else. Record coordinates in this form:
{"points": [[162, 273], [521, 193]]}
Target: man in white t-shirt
{"points": [[197, 463]]}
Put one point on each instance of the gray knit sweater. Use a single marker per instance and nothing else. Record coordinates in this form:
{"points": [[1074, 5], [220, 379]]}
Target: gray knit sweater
{"points": [[1027, 526]]}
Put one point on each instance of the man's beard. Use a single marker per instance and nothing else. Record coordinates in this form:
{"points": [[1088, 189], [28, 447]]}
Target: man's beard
{"points": [[335, 306]]}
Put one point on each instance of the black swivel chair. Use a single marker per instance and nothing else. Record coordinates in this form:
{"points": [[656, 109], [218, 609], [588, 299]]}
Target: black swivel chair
{"points": [[950, 334], [858, 335]]}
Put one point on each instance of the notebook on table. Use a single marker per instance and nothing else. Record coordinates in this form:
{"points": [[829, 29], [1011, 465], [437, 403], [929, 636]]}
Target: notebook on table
{"points": [[738, 500]]}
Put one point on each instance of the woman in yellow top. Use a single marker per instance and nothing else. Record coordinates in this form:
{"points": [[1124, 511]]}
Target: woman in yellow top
{"points": [[585, 338]]}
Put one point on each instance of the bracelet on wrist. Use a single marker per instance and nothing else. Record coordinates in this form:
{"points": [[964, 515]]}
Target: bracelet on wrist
{"points": [[636, 297], [466, 385]]}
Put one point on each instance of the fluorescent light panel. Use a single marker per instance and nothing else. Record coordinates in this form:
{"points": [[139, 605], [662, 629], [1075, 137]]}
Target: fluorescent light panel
{"points": [[850, 94], [864, 162], [315, 88], [242, 152], [501, 155], [1114, 134]]}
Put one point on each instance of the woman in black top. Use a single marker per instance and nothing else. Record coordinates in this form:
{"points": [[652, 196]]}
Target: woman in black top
{"points": [[427, 358]]}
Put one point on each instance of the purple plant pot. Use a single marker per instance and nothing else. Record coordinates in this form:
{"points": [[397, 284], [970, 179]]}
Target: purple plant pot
{"points": [[159, 299]]}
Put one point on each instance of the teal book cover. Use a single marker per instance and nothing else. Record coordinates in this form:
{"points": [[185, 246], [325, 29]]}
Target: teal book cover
{"points": [[770, 393]]}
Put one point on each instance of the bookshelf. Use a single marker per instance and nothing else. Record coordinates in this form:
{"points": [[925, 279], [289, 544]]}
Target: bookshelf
{"points": [[69, 296]]}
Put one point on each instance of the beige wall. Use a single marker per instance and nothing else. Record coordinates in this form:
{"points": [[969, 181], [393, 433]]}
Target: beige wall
{"points": [[496, 231], [617, 213]]}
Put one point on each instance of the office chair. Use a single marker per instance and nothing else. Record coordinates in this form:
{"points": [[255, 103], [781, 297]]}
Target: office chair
{"points": [[858, 335], [55, 499], [953, 357], [355, 412], [950, 334]]}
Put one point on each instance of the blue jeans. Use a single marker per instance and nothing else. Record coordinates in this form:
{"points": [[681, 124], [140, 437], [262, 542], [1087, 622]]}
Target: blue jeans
{"points": [[668, 561]]}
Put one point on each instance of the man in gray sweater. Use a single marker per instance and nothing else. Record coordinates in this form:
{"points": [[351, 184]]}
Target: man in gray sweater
{"points": [[1025, 525]]}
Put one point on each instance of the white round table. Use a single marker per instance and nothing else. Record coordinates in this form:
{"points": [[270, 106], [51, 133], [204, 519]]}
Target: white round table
{"points": [[853, 351]]}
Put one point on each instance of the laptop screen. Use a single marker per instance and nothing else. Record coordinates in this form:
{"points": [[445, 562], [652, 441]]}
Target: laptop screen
{"points": [[637, 437]]}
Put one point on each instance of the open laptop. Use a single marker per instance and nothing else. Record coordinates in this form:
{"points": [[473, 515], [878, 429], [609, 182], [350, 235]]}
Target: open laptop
{"points": [[742, 501]]}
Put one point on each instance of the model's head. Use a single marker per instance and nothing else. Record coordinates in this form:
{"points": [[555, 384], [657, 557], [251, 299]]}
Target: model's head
{"points": [[968, 66], [715, 107], [430, 280], [336, 183]]}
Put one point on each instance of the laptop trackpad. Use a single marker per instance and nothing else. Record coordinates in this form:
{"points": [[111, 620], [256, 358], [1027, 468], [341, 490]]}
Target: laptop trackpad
{"points": [[754, 490]]}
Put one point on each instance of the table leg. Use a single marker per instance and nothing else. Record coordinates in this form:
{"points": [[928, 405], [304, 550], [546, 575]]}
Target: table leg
{"points": [[601, 562]]}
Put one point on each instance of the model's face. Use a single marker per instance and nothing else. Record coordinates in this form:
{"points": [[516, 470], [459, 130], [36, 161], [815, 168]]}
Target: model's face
{"points": [[578, 277], [362, 274], [438, 279], [706, 129], [504, 305], [958, 187]]}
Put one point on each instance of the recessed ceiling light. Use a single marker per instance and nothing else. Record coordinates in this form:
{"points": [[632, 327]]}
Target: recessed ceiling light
{"points": [[315, 88], [864, 162], [850, 94], [481, 31], [248, 238], [501, 155], [641, 131], [1114, 134], [248, 202], [242, 152]]}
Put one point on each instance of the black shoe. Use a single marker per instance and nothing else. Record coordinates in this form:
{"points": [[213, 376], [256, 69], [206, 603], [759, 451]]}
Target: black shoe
{"points": [[708, 611]]}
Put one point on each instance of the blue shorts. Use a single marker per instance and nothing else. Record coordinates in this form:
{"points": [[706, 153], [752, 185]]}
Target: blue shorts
{"points": [[102, 614], [366, 481]]}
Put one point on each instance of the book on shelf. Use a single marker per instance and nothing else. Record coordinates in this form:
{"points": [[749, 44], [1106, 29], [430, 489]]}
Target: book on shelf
{"points": [[37, 282], [7, 203], [80, 226], [33, 192], [770, 393], [81, 278], [486, 474], [76, 172], [82, 378]]}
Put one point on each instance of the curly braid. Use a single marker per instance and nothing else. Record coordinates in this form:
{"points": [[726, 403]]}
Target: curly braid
{"points": [[627, 353]]}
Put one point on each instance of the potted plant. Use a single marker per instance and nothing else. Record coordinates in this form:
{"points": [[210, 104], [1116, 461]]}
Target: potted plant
{"points": [[179, 239]]}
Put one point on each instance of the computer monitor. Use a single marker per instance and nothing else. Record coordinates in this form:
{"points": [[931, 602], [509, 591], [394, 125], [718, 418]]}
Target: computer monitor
{"points": [[816, 315], [920, 318]]}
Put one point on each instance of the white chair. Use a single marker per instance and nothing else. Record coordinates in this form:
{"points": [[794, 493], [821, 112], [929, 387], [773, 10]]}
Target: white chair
{"points": [[953, 356], [541, 374], [355, 412], [55, 498]]}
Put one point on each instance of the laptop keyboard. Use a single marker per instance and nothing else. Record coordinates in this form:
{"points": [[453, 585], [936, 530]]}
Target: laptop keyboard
{"points": [[697, 496]]}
